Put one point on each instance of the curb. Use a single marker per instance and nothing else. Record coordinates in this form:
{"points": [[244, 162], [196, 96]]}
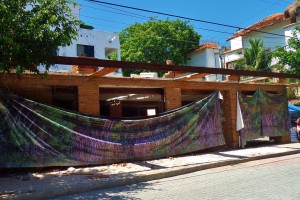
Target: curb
{"points": [[140, 177]]}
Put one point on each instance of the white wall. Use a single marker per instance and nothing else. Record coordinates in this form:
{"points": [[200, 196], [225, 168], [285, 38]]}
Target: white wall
{"points": [[270, 41], [204, 58], [232, 56], [236, 43], [99, 39], [102, 41], [289, 30]]}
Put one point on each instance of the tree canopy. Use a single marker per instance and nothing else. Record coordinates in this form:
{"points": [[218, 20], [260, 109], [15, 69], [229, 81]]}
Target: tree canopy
{"points": [[32, 30], [290, 55], [255, 58], [156, 41]]}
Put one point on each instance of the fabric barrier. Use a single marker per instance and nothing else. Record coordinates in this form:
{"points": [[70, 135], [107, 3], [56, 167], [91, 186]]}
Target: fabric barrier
{"points": [[37, 135], [263, 114]]}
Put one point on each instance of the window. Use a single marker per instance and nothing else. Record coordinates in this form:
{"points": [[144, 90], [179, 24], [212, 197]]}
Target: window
{"points": [[87, 50], [151, 112], [230, 65]]}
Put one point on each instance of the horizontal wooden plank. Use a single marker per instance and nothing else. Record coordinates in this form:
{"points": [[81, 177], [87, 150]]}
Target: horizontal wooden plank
{"points": [[162, 67], [104, 72]]}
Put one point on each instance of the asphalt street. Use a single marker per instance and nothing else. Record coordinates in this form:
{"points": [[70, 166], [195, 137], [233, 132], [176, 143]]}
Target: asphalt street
{"points": [[274, 178]]}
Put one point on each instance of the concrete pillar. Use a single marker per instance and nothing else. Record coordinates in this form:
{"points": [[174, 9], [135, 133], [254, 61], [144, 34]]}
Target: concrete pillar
{"points": [[172, 98], [88, 99]]}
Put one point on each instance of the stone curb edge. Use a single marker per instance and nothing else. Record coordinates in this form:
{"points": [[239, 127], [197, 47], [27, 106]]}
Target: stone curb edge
{"points": [[143, 178]]}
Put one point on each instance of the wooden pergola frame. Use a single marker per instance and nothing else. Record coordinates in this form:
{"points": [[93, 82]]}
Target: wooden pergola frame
{"points": [[162, 67]]}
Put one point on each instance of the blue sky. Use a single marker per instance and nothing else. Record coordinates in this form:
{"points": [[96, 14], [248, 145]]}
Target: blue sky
{"points": [[231, 12]]}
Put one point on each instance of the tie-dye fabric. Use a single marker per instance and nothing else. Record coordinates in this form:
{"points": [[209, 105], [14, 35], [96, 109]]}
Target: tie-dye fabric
{"points": [[264, 114], [37, 135]]}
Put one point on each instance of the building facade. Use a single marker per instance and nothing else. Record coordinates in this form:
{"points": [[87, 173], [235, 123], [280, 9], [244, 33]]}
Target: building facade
{"points": [[206, 55], [90, 43], [274, 30]]}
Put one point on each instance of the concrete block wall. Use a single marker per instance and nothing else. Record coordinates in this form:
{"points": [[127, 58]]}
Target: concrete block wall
{"points": [[229, 124], [172, 98], [89, 99], [39, 89]]}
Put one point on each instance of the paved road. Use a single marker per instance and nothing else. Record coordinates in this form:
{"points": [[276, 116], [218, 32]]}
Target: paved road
{"points": [[275, 178]]}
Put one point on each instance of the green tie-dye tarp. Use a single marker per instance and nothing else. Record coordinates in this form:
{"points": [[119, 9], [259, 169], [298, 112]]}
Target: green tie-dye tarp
{"points": [[264, 114], [37, 135]]}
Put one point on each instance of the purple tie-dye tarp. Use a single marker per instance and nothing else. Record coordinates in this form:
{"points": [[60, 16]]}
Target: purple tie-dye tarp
{"points": [[264, 114], [38, 135]]}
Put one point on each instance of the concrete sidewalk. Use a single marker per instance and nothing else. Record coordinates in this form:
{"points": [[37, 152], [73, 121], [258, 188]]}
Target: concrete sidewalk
{"points": [[56, 183]]}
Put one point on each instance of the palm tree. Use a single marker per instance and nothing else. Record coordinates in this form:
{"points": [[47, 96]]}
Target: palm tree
{"points": [[256, 57]]}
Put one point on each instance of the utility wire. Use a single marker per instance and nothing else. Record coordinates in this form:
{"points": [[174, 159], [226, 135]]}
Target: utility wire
{"points": [[130, 15], [181, 17], [105, 20], [253, 16], [202, 36], [194, 27], [205, 29]]}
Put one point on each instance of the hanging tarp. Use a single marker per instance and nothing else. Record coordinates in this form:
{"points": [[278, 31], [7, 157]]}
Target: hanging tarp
{"points": [[37, 135], [293, 108], [263, 114]]}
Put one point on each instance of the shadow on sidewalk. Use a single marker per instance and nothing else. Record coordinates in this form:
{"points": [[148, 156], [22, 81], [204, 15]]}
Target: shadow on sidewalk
{"points": [[229, 155], [117, 193]]}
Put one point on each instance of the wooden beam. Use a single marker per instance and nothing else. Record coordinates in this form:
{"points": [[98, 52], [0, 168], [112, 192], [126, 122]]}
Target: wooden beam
{"points": [[191, 77], [163, 67], [130, 90], [103, 72]]}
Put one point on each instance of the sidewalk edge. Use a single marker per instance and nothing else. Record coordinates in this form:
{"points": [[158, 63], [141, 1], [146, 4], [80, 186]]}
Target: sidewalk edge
{"points": [[148, 177]]}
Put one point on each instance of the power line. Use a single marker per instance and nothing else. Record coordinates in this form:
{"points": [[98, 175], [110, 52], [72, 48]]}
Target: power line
{"points": [[105, 20], [119, 28], [177, 16], [130, 15], [211, 30], [224, 32], [205, 29], [254, 15]]}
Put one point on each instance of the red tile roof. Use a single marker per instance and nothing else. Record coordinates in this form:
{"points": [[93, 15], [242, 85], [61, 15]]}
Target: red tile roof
{"points": [[268, 21], [204, 46]]}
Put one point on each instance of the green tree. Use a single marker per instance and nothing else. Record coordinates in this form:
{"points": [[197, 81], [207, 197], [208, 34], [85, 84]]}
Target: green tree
{"points": [[290, 55], [255, 58], [31, 31], [157, 41]]}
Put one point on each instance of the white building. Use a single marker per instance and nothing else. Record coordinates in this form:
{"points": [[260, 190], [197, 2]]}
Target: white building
{"points": [[280, 26], [206, 55], [92, 43]]}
